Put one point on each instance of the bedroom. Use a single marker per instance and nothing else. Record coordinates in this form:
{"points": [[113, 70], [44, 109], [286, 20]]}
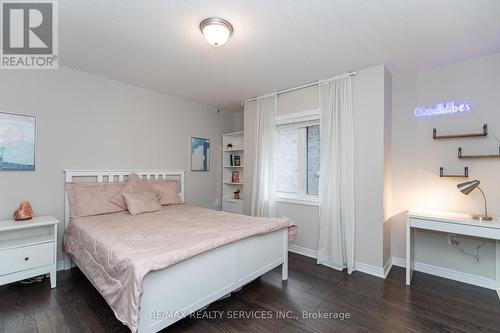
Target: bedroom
{"points": [[351, 122]]}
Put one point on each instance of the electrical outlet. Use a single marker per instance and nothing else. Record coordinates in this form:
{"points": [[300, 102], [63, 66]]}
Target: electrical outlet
{"points": [[453, 241]]}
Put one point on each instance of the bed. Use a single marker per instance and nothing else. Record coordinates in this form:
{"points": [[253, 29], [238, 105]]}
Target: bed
{"points": [[157, 268]]}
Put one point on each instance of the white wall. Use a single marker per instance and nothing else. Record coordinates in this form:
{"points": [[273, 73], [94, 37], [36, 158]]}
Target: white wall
{"points": [[369, 106], [298, 100], [89, 122], [249, 120], [307, 219], [387, 164], [237, 121], [416, 157], [369, 126]]}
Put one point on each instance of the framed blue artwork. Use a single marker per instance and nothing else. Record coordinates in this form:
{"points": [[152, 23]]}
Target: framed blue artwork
{"points": [[200, 154], [17, 142]]}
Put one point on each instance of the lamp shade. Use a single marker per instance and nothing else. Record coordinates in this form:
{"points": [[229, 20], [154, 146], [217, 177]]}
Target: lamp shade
{"points": [[216, 30], [468, 187]]}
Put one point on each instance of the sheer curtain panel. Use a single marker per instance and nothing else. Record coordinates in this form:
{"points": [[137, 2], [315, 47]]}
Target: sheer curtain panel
{"points": [[336, 185], [264, 158]]}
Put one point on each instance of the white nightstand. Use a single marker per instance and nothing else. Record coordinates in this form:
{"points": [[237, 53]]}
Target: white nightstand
{"points": [[28, 249]]}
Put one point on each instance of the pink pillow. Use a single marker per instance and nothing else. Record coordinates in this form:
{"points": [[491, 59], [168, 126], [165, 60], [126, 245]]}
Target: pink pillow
{"points": [[87, 199], [168, 189], [141, 202], [134, 185]]}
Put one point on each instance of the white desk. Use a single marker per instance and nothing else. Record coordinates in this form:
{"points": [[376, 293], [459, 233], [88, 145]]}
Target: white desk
{"points": [[452, 223]]}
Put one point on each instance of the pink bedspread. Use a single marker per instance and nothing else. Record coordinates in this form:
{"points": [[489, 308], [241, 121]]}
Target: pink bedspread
{"points": [[117, 250]]}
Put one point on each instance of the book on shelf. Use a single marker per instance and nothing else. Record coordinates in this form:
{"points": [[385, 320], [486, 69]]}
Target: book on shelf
{"points": [[237, 160], [235, 177]]}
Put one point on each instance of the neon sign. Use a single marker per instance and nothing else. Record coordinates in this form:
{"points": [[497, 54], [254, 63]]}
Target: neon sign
{"points": [[442, 109]]}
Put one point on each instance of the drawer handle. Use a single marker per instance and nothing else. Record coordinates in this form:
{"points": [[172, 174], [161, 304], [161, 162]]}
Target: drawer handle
{"points": [[27, 258]]}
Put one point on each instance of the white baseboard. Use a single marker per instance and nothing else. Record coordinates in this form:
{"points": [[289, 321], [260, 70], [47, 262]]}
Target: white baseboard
{"points": [[60, 265], [400, 262], [420, 267], [303, 251], [448, 273], [387, 267], [370, 269], [359, 266]]}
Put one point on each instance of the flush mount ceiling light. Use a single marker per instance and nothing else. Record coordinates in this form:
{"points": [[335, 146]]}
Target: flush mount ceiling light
{"points": [[216, 30]]}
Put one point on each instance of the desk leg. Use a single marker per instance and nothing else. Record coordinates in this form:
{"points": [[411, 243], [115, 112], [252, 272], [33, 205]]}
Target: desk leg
{"points": [[498, 267], [409, 261]]}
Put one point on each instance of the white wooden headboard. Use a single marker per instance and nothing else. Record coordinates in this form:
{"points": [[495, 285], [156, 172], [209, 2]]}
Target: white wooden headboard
{"points": [[115, 176]]}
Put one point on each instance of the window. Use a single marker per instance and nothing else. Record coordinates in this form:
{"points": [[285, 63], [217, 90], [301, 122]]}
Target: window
{"points": [[313, 160], [298, 160], [287, 161]]}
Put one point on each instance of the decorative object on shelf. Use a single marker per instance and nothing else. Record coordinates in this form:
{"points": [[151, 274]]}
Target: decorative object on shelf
{"points": [[456, 136], [235, 177], [467, 188], [23, 212], [200, 154], [17, 142], [465, 175], [460, 154], [237, 161], [232, 200]]}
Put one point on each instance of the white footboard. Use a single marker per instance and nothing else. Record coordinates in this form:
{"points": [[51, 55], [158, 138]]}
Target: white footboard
{"points": [[173, 293]]}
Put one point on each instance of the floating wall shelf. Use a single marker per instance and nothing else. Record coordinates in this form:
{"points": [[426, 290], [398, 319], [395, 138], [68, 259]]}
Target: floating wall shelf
{"points": [[456, 136], [460, 154], [465, 175]]}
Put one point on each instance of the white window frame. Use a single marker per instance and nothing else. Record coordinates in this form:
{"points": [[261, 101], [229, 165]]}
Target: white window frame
{"points": [[300, 120]]}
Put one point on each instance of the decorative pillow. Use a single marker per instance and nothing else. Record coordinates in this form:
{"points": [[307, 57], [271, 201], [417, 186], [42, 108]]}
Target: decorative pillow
{"points": [[168, 189], [134, 185], [141, 202], [87, 199]]}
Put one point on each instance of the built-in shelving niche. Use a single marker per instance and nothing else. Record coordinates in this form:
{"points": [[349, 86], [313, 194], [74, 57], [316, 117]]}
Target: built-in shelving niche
{"points": [[462, 135], [443, 175]]}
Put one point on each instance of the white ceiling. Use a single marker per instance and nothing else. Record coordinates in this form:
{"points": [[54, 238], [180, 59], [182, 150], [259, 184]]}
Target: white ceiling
{"points": [[276, 44]]}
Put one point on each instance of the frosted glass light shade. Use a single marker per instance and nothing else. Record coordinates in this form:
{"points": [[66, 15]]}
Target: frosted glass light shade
{"points": [[216, 30]]}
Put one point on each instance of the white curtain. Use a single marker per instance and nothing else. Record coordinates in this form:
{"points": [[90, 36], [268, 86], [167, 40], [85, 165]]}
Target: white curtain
{"points": [[264, 173], [336, 187]]}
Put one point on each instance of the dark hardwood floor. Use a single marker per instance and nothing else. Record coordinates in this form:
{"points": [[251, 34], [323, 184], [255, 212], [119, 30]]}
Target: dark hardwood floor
{"points": [[374, 305]]}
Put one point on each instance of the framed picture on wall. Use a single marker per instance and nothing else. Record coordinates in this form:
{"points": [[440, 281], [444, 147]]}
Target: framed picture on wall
{"points": [[17, 141], [200, 154]]}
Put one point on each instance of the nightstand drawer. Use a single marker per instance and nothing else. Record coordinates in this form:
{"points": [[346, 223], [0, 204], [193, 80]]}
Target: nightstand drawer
{"points": [[23, 258]]}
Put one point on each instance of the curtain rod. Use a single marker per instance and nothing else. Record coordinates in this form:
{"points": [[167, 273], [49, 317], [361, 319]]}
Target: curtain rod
{"points": [[315, 83]]}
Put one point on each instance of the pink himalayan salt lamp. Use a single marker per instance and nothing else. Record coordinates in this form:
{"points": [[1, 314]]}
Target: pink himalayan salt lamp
{"points": [[23, 212]]}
